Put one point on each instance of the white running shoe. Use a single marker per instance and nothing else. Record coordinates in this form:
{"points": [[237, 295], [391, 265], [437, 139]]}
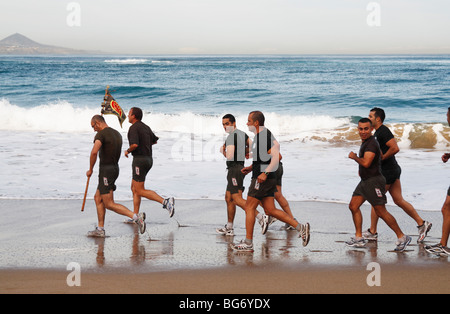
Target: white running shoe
{"points": [[242, 247], [369, 236], [97, 233], [169, 204], [264, 224], [423, 231], [225, 231], [402, 243], [438, 249], [357, 242], [141, 222], [304, 233]]}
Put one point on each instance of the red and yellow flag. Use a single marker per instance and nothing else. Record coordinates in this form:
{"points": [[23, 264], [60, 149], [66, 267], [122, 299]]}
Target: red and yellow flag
{"points": [[110, 106]]}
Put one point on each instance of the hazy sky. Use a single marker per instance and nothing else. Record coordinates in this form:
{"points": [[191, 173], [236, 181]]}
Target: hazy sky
{"points": [[233, 26]]}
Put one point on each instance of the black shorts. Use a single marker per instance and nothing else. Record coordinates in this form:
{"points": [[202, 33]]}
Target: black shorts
{"points": [[235, 179], [279, 173], [392, 174], [141, 166], [107, 178], [262, 190], [373, 190]]}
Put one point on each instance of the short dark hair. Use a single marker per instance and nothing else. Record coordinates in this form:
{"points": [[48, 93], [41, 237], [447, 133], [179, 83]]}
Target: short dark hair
{"points": [[258, 116], [379, 113], [137, 112], [365, 120], [230, 117], [98, 118]]}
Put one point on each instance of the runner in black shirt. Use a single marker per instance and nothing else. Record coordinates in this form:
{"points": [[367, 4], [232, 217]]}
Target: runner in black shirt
{"points": [[392, 171], [141, 138], [441, 248], [371, 188], [108, 146], [236, 150], [266, 150]]}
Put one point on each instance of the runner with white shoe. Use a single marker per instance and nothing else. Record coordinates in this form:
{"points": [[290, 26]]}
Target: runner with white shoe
{"points": [[141, 139], [441, 248], [108, 146], [391, 172], [266, 151], [371, 188], [235, 150]]}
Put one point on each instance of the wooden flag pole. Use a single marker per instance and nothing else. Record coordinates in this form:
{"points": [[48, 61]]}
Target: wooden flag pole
{"points": [[85, 194]]}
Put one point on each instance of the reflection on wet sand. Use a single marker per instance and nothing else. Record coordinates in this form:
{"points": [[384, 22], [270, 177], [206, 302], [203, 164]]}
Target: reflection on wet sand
{"points": [[190, 241], [143, 249]]}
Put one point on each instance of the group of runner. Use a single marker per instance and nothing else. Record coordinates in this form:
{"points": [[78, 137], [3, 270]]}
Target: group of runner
{"points": [[108, 146], [378, 169]]}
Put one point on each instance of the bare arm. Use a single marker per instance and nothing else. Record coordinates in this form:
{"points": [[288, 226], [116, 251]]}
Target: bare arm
{"points": [[393, 149], [274, 162], [130, 149], [229, 152], [93, 157], [365, 161]]}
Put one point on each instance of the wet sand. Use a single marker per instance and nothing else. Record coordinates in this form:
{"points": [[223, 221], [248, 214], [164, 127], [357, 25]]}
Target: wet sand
{"points": [[39, 239]]}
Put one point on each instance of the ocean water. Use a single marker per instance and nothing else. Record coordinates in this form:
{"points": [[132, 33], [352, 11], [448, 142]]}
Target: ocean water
{"points": [[311, 103]]}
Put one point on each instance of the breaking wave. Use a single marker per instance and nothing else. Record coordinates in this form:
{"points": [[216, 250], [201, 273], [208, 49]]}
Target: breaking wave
{"points": [[63, 116], [137, 61]]}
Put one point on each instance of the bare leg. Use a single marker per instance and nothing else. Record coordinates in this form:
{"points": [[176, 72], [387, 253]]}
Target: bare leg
{"points": [[136, 199], [139, 191], [283, 202], [271, 210], [446, 221], [388, 219], [354, 207], [101, 210], [239, 201], [396, 192], [250, 209], [108, 201], [231, 207]]}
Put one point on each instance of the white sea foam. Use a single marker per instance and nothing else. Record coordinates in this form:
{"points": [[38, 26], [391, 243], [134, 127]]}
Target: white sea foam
{"points": [[44, 153], [127, 61], [57, 117], [137, 61], [62, 116]]}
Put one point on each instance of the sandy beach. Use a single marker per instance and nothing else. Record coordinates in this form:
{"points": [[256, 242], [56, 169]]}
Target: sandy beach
{"points": [[184, 255]]}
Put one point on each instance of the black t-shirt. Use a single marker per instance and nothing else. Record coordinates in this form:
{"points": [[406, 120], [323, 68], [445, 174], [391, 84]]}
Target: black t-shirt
{"points": [[141, 135], [263, 142], [370, 145], [384, 135], [111, 146], [239, 140]]}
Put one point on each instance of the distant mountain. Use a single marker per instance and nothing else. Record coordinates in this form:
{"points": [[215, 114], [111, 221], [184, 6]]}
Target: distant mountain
{"points": [[18, 44]]}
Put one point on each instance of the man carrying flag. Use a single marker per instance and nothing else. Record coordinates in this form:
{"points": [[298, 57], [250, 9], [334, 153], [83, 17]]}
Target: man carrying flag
{"points": [[108, 146]]}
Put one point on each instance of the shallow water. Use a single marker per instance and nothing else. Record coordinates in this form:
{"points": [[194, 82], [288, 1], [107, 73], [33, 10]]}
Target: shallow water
{"points": [[52, 234]]}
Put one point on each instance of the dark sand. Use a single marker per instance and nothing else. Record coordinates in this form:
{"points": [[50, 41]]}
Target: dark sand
{"points": [[39, 238]]}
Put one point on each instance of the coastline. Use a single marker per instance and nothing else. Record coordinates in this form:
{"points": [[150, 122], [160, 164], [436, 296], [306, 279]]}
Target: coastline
{"points": [[40, 238]]}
